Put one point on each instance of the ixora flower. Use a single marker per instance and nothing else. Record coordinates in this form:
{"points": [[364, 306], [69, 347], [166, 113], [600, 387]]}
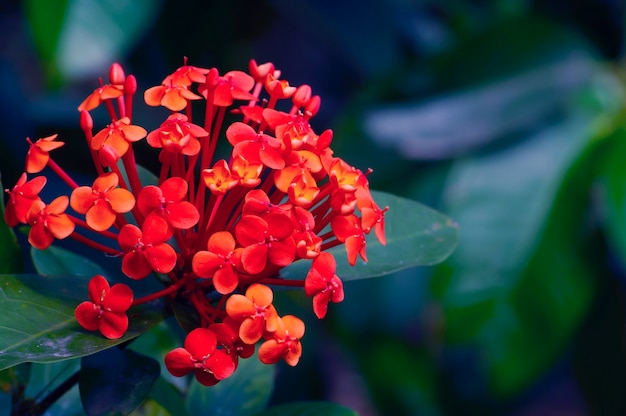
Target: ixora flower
{"points": [[215, 232]]}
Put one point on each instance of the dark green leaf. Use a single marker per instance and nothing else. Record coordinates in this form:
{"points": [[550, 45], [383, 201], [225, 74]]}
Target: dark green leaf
{"points": [[10, 252], [116, 381], [58, 261], [308, 409], [416, 236], [246, 392], [39, 325]]}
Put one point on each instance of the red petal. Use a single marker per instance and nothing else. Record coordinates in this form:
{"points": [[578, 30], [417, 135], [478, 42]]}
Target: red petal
{"points": [[271, 351], [135, 265], [100, 217], [162, 258], [155, 229], [205, 378], [174, 189], [121, 200], [220, 364], [200, 343], [82, 199], [238, 132], [254, 258], [179, 362], [282, 253], [239, 307], [205, 263], [119, 298], [221, 242], [129, 236], [149, 199], [225, 280], [250, 230], [113, 325], [39, 237], [183, 215], [88, 315], [252, 329]]}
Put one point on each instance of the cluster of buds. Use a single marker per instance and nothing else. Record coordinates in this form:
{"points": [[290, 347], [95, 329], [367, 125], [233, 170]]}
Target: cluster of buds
{"points": [[216, 233]]}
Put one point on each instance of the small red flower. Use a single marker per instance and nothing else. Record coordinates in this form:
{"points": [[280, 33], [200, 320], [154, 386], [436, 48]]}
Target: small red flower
{"points": [[102, 202], [233, 85], [265, 239], [284, 342], [105, 311], [323, 284], [21, 198], [167, 200], [145, 249], [201, 355], [37, 156], [48, 222], [255, 147], [219, 179], [348, 230]]}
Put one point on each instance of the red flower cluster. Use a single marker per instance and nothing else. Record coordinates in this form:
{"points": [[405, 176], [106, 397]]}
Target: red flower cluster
{"points": [[217, 232]]}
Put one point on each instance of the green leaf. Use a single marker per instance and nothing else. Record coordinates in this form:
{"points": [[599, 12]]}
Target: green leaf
{"points": [[80, 38], [520, 278], [308, 409], [116, 381], [613, 182], [416, 236], [46, 20], [10, 252], [58, 261], [246, 392], [168, 397], [38, 325]]}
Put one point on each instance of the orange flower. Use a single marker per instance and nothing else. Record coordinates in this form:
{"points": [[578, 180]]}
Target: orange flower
{"points": [[219, 179], [37, 156], [221, 262], [255, 312], [284, 342], [105, 92], [102, 202], [114, 140], [177, 135]]}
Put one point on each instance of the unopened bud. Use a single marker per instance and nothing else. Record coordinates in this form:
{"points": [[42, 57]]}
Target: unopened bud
{"points": [[86, 122], [313, 106], [130, 85], [302, 95], [116, 74]]}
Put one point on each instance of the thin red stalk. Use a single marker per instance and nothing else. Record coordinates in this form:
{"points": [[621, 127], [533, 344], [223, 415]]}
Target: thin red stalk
{"points": [[83, 224], [156, 295], [330, 244], [97, 246], [111, 110], [121, 105], [62, 174], [282, 282]]}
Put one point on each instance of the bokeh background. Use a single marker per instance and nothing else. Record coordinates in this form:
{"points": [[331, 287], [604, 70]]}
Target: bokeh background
{"points": [[506, 115]]}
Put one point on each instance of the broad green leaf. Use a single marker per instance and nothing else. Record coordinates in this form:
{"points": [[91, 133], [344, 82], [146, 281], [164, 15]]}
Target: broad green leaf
{"points": [[39, 325], [58, 261], [116, 381], [308, 409], [416, 236], [246, 392], [10, 252]]}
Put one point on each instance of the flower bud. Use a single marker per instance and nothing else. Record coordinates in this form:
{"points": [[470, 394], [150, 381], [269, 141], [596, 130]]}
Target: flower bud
{"points": [[116, 74], [302, 95]]}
